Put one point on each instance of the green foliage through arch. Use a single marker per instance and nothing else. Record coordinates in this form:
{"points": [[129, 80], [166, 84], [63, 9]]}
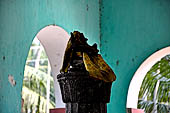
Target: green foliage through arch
{"points": [[154, 95]]}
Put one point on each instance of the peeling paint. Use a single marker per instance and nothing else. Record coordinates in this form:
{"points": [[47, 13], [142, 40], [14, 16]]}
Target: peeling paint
{"points": [[56, 13], [117, 62], [133, 59], [130, 41], [87, 7], [100, 16], [3, 57], [11, 80]]}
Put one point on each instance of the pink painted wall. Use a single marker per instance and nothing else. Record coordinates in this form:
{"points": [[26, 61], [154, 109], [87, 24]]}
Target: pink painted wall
{"points": [[57, 110], [137, 111]]}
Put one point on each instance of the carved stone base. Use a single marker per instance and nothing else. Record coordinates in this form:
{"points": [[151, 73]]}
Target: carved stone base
{"points": [[86, 108], [82, 93], [79, 87]]}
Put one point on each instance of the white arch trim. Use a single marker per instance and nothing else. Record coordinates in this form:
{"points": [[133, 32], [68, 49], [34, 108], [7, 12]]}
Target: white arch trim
{"points": [[54, 40], [134, 88]]}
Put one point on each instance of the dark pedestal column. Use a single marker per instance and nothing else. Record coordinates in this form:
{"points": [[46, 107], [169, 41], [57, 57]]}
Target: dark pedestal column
{"points": [[83, 94], [86, 108]]}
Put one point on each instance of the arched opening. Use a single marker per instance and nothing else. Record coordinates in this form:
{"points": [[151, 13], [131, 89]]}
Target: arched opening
{"points": [[38, 84], [141, 74], [42, 66]]}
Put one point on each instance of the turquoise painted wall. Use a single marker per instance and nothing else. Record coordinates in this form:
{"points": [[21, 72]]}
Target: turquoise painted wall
{"points": [[131, 30], [20, 21], [128, 31]]}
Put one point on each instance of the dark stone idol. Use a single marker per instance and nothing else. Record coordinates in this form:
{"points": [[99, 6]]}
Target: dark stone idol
{"points": [[81, 92]]}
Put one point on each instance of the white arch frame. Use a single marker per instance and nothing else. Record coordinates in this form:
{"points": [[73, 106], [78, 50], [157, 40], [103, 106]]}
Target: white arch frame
{"points": [[54, 40], [136, 82]]}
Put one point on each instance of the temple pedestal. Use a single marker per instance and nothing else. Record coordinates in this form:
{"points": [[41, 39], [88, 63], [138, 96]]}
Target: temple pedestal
{"points": [[86, 108], [83, 94]]}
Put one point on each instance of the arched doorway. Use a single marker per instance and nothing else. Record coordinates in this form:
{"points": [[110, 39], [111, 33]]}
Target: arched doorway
{"points": [[143, 70], [53, 40]]}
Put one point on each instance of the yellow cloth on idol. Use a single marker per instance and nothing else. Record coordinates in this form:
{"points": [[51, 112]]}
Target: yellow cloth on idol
{"points": [[94, 64], [98, 68]]}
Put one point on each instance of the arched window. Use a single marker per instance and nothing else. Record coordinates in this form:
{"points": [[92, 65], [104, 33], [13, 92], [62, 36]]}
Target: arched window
{"points": [[42, 66], [38, 84], [155, 61], [154, 92]]}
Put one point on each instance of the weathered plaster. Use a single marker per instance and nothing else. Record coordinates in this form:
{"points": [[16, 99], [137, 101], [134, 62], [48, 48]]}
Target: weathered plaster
{"points": [[131, 31], [11, 80], [20, 21], [128, 31]]}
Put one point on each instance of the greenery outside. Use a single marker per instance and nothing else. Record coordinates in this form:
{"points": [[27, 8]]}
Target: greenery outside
{"points": [[36, 76], [154, 95]]}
